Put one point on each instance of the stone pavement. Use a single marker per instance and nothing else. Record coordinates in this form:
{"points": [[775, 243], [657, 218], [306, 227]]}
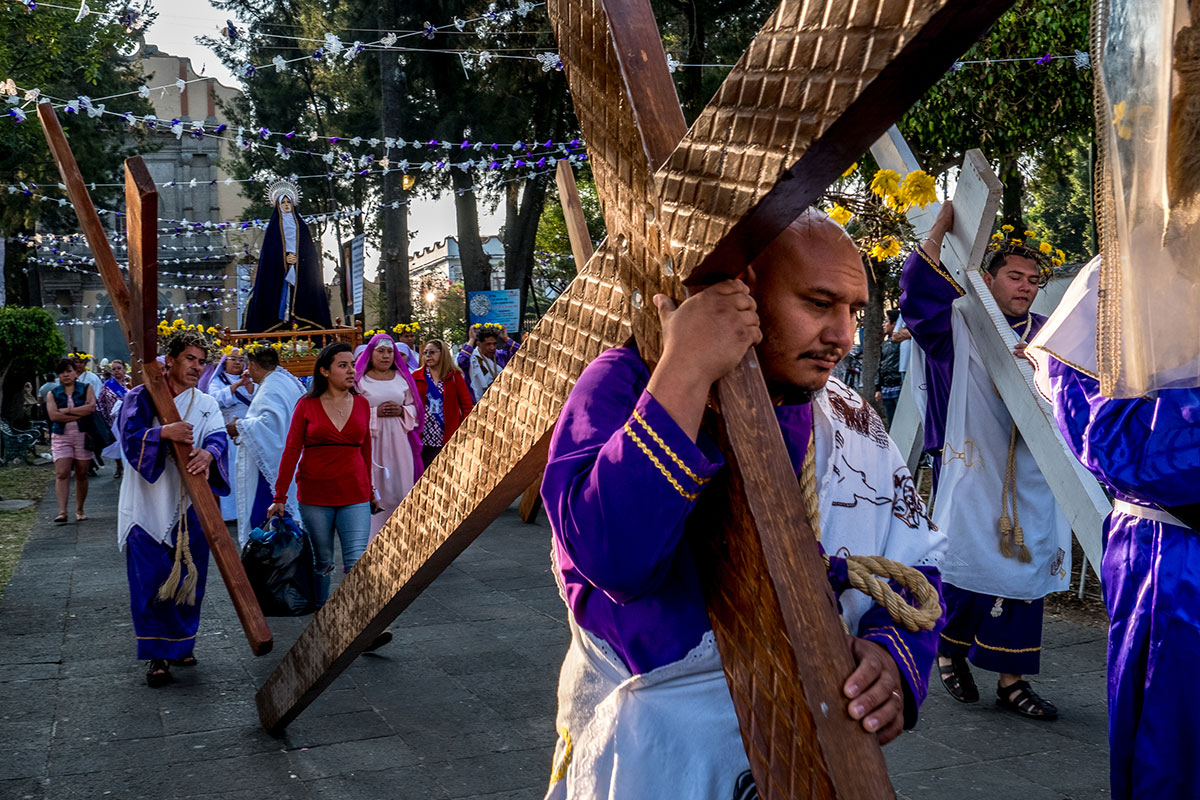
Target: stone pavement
{"points": [[460, 705]]}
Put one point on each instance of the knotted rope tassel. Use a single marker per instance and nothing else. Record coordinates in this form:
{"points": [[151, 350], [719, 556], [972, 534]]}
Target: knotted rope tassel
{"points": [[870, 574], [1012, 538]]}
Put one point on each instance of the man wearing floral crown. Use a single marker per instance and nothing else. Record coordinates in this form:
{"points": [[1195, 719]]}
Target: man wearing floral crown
{"points": [[289, 285], [487, 351], [406, 344], [165, 549], [1009, 543]]}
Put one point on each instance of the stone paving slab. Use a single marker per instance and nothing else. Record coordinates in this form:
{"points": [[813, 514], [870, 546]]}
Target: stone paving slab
{"points": [[459, 707]]}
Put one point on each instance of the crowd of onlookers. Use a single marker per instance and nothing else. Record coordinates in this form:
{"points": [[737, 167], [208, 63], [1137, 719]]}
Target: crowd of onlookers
{"points": [[338, 449]]}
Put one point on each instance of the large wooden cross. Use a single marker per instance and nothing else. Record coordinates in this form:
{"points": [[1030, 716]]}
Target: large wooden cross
{"points": [[819, 83], [136, 307], [976, 200]]}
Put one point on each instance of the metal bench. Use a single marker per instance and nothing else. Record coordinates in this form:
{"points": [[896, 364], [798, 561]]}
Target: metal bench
{"points": [[16, 445]]}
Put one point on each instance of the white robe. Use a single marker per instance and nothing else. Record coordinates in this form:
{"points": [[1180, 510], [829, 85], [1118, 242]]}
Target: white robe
{"points": [[263, 433], [221, 389], [625, 727], [156, 507], [968, 507], [483, 371]]}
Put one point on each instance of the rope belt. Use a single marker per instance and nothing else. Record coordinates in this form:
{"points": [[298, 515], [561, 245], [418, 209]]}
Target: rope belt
{"points": [[178, 587], [870, 574], [1146, 512], [1012, 537]]}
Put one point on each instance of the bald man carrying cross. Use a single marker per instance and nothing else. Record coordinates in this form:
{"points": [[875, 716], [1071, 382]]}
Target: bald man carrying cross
{"points": [[629, 464]]}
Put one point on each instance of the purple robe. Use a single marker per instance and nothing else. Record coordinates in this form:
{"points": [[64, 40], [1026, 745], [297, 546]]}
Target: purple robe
{"points": [[163, 628], [618, 501], [1146, 452]]}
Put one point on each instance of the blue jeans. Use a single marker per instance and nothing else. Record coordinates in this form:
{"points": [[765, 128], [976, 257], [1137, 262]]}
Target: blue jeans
{"points": [[353, 524]]}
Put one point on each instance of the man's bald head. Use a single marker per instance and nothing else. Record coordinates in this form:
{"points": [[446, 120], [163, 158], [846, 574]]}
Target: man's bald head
{"points": [[810, 285]]}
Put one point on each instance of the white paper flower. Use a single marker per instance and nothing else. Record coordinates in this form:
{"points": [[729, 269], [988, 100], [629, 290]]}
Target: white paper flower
{"points": [[95, 110], [144, 92], [333, 45], [388, 40], [83, 11], [672, 62], [32, 95], [177, 129], [181, 85], [280, 63]]}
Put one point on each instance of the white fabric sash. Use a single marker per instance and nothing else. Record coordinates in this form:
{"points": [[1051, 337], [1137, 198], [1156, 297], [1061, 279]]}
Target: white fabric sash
{"points": [[263, 434], [968, 507], [483, 371], [155, 507]]}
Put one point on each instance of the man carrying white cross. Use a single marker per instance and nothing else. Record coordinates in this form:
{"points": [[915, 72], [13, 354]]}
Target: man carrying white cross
{"points": [[644, 708], [1009, 543]]}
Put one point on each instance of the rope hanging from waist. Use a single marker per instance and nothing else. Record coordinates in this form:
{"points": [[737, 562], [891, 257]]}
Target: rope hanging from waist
{"points": [[870, 574], [1012, 537], [179, 587]]}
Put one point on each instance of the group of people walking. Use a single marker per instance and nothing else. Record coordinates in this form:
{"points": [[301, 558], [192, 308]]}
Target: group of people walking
{"points": [[338, 456]]}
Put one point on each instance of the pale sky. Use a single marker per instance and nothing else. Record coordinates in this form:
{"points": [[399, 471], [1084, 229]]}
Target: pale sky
{"points": [[181, 21]]}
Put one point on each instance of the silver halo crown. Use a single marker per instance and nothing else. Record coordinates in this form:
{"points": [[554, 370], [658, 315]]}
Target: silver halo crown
{"points": [[283, 188]]}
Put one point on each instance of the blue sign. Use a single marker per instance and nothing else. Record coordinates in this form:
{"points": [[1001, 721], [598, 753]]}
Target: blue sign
{"points": [[502, 307]]}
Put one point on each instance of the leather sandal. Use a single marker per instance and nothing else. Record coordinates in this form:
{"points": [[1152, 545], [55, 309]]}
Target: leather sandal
{"points": [[186, 661], [958, 680], [1020, 698], [158, 673]]}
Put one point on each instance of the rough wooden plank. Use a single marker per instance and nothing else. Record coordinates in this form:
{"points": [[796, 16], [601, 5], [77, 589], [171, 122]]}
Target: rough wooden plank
{"points": [[142, 205], [141, 195]]}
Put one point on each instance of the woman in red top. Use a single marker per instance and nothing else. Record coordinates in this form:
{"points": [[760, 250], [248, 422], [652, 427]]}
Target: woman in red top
{"points": [[446, 397], [330, 436]]}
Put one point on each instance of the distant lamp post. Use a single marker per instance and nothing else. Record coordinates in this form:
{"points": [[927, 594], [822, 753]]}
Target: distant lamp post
{"points": [[408, 182]]}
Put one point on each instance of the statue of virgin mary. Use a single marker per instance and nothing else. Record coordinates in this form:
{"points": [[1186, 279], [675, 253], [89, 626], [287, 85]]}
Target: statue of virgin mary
{"points": [[288, 287]]}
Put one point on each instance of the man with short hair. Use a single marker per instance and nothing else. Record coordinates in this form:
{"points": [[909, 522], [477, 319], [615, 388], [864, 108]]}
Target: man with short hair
{"points": [[629, 462], [260, 436], [406, 345], [1009, 543], [486, 352], [166, 551], [889, 378]]}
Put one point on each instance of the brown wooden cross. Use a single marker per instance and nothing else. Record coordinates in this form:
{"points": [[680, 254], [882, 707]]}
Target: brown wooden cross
{"points": [[820, 82], [136, 307]]}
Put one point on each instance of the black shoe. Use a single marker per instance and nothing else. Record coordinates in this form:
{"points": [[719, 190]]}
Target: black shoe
{"points": [[1020, 698], [158, 673], [380, 640], [958, 680]]}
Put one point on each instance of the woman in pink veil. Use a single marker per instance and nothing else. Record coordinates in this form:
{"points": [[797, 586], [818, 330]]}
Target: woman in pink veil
{"points": [[396, 415]]}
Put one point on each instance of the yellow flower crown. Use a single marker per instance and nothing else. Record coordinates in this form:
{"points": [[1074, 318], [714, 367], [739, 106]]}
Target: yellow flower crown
{"points": [[81, 356], [490, 326], [406, 327], [1031, 246], [198, 335]]}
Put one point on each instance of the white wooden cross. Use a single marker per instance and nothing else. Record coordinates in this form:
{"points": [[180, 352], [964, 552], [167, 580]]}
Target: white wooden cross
{"points": [[976, 200]]}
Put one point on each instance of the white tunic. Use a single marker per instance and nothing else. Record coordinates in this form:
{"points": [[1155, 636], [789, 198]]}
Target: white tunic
{"points": [[968, 503], [263, 433], [156, 507], [221, 389], [483, 371]]}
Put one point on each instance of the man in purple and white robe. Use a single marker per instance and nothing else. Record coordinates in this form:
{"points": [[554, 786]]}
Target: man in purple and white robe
{"points": [[1146, 452], [155, 515], [986, 482], [644, 708]]}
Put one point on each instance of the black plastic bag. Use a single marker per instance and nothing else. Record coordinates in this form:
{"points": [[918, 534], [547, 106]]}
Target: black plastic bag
{"points": [[279, 563]]}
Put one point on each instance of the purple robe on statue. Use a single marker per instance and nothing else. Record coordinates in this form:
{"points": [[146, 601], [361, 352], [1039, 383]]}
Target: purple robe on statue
{"points": [[995, 634], [1147, 453], [164, 629]]}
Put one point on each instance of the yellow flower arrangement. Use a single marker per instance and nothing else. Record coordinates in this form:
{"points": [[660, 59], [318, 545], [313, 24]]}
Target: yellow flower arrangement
{"points": [[885, 184], [179, 324], [840, 214], [1006, 228], [1017, 242], [850, 170], [917, 189], [1045, 248], [888, 248]]}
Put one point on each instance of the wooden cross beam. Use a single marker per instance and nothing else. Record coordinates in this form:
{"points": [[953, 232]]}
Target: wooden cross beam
{"points": [[820, 82], [976, 200], [581, 252], [136, 308]]}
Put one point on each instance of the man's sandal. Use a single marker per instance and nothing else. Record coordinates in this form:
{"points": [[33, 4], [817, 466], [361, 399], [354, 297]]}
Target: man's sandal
{"points": [[186, 661], [61, 519], [958, 680], [158, 673], [1020, 698]]}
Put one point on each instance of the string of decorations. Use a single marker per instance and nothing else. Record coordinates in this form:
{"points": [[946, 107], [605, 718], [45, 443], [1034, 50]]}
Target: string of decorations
{"points": [[186, 309], [187, 229]]}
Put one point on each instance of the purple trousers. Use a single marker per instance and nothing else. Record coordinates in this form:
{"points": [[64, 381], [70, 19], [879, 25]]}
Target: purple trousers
{"points": [[994, 633]]}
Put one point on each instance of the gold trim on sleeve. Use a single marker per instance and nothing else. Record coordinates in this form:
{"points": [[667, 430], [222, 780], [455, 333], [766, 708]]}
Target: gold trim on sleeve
{"points": [[670, 453], [661, 468], [938, 269]]}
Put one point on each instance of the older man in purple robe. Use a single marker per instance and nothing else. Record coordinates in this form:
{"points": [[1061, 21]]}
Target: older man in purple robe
{"points": [[644, 709], [166, 552]]}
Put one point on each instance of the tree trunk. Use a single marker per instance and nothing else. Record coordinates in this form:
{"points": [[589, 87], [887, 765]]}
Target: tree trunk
{"points": [[872, 337], [476, 269], [520, 233], [1014, 187], [393, 222]]}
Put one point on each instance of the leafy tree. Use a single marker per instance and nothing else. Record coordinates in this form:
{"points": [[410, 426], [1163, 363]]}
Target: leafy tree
{"points": [[1024, 116], [42, 49], [440, 307], [556, 266], [1061, 203], [29, 345]]}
